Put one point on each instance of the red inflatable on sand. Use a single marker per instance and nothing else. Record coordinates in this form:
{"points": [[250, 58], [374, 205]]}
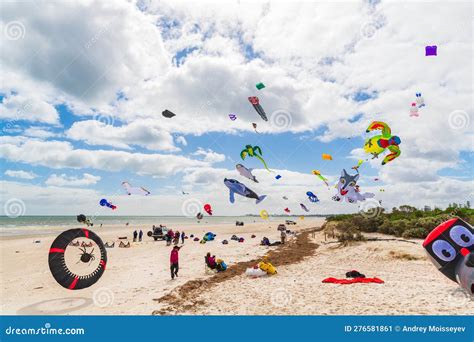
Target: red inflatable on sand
{"points": [[353, 281]]}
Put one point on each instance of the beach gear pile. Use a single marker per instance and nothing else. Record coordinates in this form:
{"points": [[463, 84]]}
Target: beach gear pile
{"points": [[261, 269]]}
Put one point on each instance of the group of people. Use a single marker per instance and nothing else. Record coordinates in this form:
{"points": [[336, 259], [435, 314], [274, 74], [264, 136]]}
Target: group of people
{"points": [[140, 236], [215, 264], [174, 237]]}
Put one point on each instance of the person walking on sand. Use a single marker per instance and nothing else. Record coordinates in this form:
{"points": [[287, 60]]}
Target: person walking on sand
{"points": [[135, 236], [174, 262], [182, 238], [176, 238], [283, 237], [140, 235]]}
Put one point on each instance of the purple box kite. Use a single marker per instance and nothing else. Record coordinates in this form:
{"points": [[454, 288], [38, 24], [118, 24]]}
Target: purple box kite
{"points": [[431, 50]]}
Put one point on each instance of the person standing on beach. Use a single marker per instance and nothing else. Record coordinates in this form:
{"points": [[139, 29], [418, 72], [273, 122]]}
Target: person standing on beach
{"points": [[174, 262], [140, 235], [176, 238], [283, 237], [135, 236], [182, 238]]}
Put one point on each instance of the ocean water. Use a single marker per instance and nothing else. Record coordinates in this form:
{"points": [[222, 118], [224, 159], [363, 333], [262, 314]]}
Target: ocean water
{"points": [[26, 225]]}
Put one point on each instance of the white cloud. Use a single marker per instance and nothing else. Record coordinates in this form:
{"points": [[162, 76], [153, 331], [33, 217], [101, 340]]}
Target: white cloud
{"points": [[21, 174], [63, 180], [209, 155], [19, 107], [61, 154], [144, 133], [39, 132]]}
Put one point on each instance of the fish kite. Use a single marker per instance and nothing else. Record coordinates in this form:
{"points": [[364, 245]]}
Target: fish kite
{"points": [[135, 190], [168, 114], [348, 190], [235, 187], [312, 197], [379, 143], [104, 203], [256, 105], [208, 209], [253, 151], [327, 156], [304, 207], [318, 174], [264, 214], [244, 172]]}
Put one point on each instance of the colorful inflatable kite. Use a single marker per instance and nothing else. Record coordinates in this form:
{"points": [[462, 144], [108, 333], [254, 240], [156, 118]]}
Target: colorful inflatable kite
{"points": [[244, 172], [264, 214], [254, 125], [253, 151], [326, 156], [431, 50], [318, 174], [199, 216], [419, 100], [287, 210], [414, 110], [233, 117], [348, 190], [208, 209], [235, 187], [62, 272], [379, 143], [450, 247], [304, 207], [359, 163], [135, 190], [104, 203], [312, 197], [256, 105]]}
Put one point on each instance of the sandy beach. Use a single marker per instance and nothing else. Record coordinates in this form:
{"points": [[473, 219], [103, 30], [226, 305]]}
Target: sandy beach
{"points": [[137, 280]]}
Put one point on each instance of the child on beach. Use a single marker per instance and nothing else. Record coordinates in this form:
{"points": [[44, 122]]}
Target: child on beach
{"points": [[174, 261]]}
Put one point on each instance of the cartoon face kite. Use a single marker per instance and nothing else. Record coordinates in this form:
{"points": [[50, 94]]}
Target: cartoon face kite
{"points": [[348, 190], [450, 247], [379, 143]]}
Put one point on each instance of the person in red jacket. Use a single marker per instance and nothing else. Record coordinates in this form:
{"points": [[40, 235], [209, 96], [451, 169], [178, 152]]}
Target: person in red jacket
{"points": [[174, 261]]}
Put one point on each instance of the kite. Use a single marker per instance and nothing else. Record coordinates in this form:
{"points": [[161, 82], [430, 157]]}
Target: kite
{"points": [[348, 190], [326, 156], [254, 127], [450, 247], [359, 163], [277, 177], [61, 272], [419, 100], [414, 110], [376, 179], [199, 216], [241, 189], [168, 114], [304, 207], [208, 209], [253, 151], [244, 172], [287, 210], [264, 214], [431, 50], [260, 86], [301, 217], [129, 189], [382, 190], [104, 203], [312, 197], [184, 193], [379, 143], [233, 117], [256, 105], [285, 198], [83, 219], [318, 174]]}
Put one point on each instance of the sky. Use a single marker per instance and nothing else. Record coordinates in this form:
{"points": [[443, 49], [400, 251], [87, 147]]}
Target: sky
{"points": [[84, 83]]}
